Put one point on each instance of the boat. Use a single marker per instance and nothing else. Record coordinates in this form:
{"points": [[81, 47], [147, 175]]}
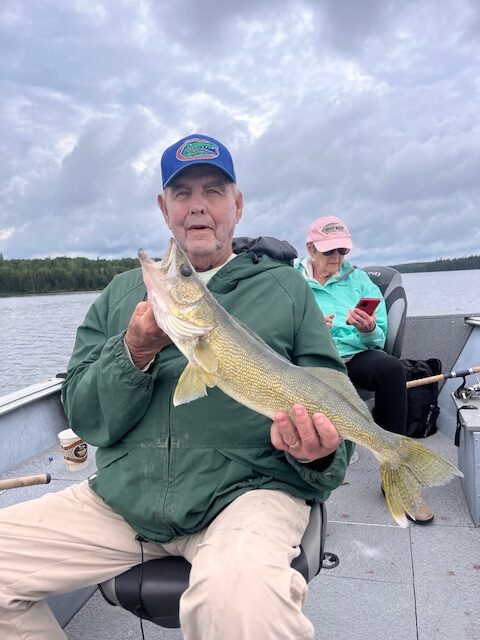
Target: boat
{"points": [[418, 583]]}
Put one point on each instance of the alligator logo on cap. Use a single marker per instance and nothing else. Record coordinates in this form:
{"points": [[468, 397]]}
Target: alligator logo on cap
{"points": [[197, 149]]}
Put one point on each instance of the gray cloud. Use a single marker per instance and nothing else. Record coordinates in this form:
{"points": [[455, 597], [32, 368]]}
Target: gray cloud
{"points": [[368, 110]]}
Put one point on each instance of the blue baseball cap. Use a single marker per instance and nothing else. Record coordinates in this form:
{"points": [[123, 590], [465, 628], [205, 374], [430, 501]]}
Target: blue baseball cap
{"points": [[192, 150]]}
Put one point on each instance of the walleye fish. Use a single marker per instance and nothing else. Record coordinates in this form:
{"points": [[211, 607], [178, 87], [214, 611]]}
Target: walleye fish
{"points": [[222, 352]]}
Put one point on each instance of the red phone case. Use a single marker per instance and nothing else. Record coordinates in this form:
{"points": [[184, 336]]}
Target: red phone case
{"points": [[368, 305]]}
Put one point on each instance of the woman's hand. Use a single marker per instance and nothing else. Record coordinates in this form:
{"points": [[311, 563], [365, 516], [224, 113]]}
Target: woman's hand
{"points": [[361, 320], [329, 320]]}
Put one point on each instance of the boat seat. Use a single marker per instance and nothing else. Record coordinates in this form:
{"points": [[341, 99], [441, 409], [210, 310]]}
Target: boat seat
{"points": [[152, 591], [389, 281]]}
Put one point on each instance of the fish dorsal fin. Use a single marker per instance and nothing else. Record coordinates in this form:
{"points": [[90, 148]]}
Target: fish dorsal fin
{"points": [[192, 384], [343, 385]]}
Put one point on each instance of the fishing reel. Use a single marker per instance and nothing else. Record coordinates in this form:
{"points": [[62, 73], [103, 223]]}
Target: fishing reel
{"points": [[467, 393]]}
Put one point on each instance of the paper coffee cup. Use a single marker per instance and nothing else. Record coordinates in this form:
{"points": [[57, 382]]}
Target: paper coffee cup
{"points": [[75, 450]]}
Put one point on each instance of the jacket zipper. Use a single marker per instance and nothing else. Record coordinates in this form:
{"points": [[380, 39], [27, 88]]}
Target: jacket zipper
{"points": [[167, 463]]}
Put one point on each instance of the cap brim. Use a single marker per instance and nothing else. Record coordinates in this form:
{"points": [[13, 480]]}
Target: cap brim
{"points": [[194, 163], [334, 243]]}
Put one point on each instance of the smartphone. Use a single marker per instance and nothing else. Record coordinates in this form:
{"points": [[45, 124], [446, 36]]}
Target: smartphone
{"points": [[368, 305]]}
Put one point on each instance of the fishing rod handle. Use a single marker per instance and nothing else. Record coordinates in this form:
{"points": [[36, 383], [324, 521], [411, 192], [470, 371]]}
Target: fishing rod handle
{"points": [[25, 481], [442, 376], [421, 381]]}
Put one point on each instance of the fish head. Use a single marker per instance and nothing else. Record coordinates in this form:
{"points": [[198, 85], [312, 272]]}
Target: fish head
{"points": [[179, 299]]}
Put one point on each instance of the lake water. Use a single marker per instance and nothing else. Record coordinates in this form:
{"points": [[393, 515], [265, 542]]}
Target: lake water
{"points": [[37, 332]]}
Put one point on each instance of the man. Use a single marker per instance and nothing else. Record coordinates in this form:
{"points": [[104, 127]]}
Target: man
{"points": [[183, 478]]}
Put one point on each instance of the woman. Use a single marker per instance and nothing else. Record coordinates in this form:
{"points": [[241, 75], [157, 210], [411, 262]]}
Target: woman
{"points": [[359, 336]]}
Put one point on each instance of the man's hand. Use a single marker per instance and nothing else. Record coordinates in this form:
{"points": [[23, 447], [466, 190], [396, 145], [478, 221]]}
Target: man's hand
{"points": [[144, 338], [306, 438]]}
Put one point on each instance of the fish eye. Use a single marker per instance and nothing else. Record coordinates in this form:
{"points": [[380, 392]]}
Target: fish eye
{"points": [[186, 270]]}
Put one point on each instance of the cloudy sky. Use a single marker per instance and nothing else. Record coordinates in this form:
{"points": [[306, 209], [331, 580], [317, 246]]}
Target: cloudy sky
{"points": [[367, 109]]}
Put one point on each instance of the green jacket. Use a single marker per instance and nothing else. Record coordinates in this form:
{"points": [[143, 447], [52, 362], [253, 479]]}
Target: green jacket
{"points": [[337, 296], [170, 470]]}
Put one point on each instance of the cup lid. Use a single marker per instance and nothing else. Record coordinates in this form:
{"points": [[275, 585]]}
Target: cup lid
{"points": [[67, 433]]}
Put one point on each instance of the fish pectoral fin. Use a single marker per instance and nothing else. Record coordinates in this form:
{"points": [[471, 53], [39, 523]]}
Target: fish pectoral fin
{"points": [[204, 356], [192, 384]]}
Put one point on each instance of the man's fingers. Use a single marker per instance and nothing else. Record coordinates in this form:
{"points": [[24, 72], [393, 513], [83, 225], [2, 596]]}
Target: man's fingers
{"points": [[303, 436], [303, 422], [286, 429], [144, 338], [276, 438], [328, 435], [144, 317], [299, 432], [142, 308]]}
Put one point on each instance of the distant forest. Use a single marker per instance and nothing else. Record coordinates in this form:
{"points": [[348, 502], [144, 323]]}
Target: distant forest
{"points": [[444, 264], [59, 275]]}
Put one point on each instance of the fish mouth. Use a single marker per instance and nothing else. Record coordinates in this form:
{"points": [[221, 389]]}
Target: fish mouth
{"points": [[172, 292], [161, 276], [158, 274], [168, 257], [174, 261], [166, 266]]}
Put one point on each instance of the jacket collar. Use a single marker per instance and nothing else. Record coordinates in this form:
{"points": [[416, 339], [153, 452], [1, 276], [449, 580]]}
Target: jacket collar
{"points": [[306, 267], [240, 268]]}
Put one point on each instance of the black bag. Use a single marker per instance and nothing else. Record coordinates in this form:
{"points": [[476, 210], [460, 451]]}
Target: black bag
{"points": [[423, 409]]}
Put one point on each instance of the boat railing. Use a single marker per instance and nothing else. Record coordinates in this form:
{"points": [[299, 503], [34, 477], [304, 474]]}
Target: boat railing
{"points": [[29, 394], [30, 420], [473, 320]]}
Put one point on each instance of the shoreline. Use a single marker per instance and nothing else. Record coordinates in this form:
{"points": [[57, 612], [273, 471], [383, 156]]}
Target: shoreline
{"points": [[49, 293]]}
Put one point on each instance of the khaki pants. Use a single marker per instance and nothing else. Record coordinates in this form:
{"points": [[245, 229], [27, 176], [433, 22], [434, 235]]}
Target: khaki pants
{"points": [[241, 584]]}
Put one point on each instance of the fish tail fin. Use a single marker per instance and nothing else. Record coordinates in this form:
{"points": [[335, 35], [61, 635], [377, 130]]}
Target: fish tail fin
{"points": [[416, 467]]}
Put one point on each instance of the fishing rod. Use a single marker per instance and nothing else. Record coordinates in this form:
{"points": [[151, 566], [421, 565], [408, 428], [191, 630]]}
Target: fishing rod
{"points": [[443, 376], [25, 481]]}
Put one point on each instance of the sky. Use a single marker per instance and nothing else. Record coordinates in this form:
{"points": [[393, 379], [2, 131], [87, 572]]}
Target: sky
{"points": [[364, 109]]}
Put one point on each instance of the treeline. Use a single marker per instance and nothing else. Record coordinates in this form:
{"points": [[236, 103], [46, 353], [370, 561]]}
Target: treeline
{"points": [[57, 275], [52, 275], [444, 264]]}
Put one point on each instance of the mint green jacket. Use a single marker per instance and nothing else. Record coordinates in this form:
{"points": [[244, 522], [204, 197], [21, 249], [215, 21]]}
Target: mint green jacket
{"points": [[170, 470], [337, 296]]}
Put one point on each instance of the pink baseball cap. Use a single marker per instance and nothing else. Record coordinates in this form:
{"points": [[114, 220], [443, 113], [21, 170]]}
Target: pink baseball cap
{"points": [[329, 232]]}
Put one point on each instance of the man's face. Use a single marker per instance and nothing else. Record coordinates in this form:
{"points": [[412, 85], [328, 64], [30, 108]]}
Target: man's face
{"points": [[201, 208]]}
